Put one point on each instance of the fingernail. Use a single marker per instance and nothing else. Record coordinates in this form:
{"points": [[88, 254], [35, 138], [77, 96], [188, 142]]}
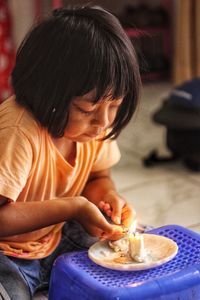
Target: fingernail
{"points": [[117, 220]]}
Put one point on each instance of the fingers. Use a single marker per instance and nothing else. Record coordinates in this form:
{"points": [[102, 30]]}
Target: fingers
{"points": [[96, 224], [106, 230], [100, 223], [128, 215], [105, 207], [112, 206], [117, 212], [117, 209], [117, 233], [101, 204]]}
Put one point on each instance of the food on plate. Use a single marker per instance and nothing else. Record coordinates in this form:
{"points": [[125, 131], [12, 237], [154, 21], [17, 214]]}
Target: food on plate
{"points": [[130, 247]]}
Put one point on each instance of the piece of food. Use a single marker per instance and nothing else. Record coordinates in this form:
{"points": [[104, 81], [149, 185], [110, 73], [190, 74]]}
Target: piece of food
{"points": [[136, 247], [130, 247], [121, 245]]}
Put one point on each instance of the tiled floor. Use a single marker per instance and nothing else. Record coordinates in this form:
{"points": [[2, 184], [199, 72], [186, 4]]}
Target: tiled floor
{"points": [[167, 194], [161, 195]]}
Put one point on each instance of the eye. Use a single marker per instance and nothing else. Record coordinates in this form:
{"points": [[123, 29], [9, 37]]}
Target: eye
{"points": [[85, 112]]}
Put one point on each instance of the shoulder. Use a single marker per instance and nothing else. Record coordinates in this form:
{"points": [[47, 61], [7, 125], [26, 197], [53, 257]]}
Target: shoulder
{"points": [[16, 120]]}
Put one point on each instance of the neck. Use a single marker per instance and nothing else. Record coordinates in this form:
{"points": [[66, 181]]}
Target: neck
{"points": [[66, 147]]}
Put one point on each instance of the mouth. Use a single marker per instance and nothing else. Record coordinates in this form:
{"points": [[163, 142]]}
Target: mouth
{"points": [[92, 135]]}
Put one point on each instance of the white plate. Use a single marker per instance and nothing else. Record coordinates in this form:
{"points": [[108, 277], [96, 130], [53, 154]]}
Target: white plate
{"points": [[159, 251]]}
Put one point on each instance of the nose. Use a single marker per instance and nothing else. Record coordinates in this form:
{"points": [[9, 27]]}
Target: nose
{"points": [[102, 117]]}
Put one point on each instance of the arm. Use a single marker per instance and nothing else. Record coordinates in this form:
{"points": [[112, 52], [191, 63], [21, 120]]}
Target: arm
{"points": [[101, 191], [21, 217], [98, 185]]}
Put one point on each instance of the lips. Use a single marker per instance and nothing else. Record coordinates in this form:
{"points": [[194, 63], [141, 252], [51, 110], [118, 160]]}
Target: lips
{"points": [[92, 135]]}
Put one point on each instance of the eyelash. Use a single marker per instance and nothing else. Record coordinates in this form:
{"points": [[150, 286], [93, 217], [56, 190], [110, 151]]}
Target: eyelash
{"points": [[88, 113]]}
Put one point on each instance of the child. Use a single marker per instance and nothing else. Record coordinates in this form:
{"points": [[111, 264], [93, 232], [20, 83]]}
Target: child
{"points": [[76, 84]]}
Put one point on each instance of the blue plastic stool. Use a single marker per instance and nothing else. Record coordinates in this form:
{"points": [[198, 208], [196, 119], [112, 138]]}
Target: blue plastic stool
{"points": [[75, 276]]}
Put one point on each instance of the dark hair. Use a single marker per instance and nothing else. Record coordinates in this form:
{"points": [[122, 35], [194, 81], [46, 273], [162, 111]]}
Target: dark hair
{"points": [[75, 51]]}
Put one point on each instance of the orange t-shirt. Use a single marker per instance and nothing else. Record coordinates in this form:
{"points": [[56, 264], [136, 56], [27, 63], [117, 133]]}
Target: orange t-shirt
{"points": [[32, 169]]}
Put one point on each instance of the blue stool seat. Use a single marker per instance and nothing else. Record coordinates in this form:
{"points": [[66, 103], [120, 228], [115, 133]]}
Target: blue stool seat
{"points": [[75, 276]]}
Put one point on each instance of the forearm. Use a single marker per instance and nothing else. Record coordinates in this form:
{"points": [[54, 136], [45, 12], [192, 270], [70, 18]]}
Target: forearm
{"points": [[18, 218], [98, 186]]}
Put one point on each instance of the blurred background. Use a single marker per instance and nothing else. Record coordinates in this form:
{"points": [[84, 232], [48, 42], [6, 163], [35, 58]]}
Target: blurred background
{"points": [[166, 36]]}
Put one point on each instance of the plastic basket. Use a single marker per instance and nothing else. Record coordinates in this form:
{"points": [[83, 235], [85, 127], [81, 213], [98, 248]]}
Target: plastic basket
{"points": [[75, 276]]}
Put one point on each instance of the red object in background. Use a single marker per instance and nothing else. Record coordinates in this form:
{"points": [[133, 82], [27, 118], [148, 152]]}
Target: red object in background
{"points": [[7, 53], [56, 4]]}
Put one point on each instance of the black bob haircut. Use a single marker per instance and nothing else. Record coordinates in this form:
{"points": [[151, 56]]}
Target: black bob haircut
{"points": [[72, 52]]}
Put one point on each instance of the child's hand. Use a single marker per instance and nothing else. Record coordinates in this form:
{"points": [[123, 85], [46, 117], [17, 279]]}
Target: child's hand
{"points": [[115, 207], [91, 218]]}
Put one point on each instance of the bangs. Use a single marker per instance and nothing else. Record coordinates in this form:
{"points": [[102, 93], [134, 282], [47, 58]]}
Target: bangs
{"points": [[109, 70]]}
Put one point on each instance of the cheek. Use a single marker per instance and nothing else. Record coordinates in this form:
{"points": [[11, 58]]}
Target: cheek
{"points": [[112, 116], [76, 125]]}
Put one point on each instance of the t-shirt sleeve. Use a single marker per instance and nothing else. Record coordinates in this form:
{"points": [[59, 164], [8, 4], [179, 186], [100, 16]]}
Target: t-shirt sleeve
{"points": [[107, 155], [15, 161]]}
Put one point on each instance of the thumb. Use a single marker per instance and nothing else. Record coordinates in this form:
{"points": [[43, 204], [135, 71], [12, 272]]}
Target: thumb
{"points": [[107, 229], [104, 225]]}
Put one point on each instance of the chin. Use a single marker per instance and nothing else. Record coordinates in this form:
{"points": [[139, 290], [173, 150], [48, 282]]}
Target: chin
{"points": [[85, 138], [81, 138]]}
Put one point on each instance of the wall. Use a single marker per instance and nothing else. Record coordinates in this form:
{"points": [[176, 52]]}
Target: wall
{"points": [[116, 6]]}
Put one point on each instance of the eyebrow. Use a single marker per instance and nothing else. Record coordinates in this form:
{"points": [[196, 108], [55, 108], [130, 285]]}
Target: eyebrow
{"points": [[90, 99], [92, 95], [82, 100]]}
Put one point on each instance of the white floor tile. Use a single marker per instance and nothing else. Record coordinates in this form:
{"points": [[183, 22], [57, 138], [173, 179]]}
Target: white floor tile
{"points": [[134, 174], [164, 194], [165, 201]]}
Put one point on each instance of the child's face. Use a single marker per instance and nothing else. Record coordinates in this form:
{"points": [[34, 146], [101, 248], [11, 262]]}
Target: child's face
{"points": [[88, 120]]}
